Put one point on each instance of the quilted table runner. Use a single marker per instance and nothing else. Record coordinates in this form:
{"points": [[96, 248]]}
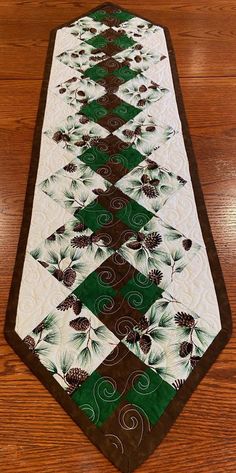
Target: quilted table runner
{"points": [[117, 303]]}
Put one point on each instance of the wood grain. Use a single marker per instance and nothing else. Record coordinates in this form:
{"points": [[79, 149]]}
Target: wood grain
{"points": [[36, 435]]}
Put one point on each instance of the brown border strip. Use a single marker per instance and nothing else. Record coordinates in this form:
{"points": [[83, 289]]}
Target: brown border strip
{"points": [[176, 406]]}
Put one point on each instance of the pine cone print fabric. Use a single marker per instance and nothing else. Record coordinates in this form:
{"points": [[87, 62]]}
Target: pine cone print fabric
{"points": [[116, 304]]}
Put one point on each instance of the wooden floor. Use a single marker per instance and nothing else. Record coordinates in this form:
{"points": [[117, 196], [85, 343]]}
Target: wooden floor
{"points": [[36, 435]]}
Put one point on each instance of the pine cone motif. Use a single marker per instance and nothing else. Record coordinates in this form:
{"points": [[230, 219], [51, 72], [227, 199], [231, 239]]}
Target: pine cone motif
{"points": [[79, 227], [150, 191], [95, 238], [140, 236], [73, 79], [185, 349], [178, 383], [80, 324], [145, 179], [142, 88], [143, 324], [155, 276], [98, 191], [138, 130], [70, 389], [77, 306], [69, 277], [187, 244], [57, 136], [58, 274], [184, 320], [67, 303], [154, 182], [61, 230], [152, 240], [151, 164], [43, 263], [71, 167], [134, 245], [194, 360], [133, 337], [29, 341], [141, 103], [51, 237], [145, 343], [80, 241], [76, 376], [40, 327], [128, 133]]}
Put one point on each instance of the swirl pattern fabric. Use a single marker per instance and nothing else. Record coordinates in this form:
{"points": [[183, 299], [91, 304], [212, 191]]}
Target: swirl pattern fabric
{"points": [[118, 303]]}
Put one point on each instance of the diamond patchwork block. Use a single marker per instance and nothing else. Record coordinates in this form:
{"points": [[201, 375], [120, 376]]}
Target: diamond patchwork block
{"points": [[139, 58], [150, 185], [141, 91], [81, 58], [111, 158], [159, 251], [123, 210], [145, 133], [137, 28], [86, 27], [65, 253], [110, 117], [74, 186], [170, 338], [116, 298], [78, 91], [76, 133], [71, 342]]}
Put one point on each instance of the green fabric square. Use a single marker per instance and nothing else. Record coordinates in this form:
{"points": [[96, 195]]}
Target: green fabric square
{"points": [[97, 41], [94, 111], [126, 111], [125, 73], [94, 158], [134, 215], [94, 294], [124, 41], [141, 293], [94, 216], [155, 398], [123, 15], [97, 408], [133, 157], [95, 72], [97, 15]]}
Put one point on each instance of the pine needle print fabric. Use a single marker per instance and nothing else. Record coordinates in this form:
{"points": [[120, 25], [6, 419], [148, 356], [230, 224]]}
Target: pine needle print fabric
{"points": [[117, 308]]}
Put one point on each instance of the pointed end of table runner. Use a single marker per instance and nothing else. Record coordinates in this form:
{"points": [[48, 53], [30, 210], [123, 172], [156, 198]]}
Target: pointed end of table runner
{"points": [[116, 305]]}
